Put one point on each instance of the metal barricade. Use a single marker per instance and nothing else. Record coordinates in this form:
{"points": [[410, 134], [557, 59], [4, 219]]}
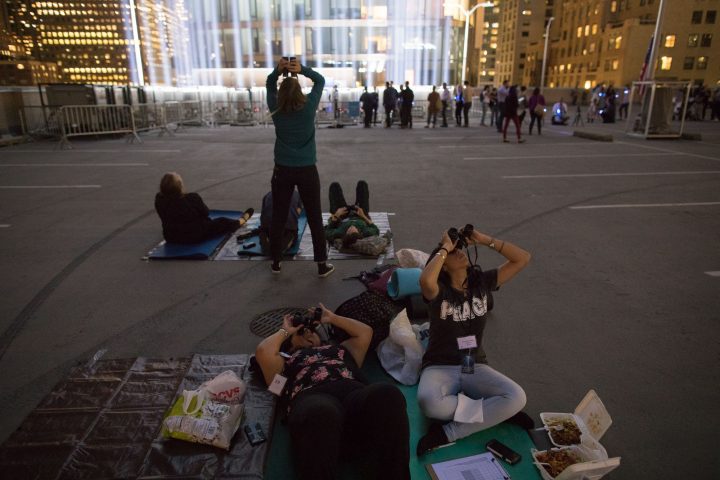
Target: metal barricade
{"points": [[171, 112], [83, 120], [237, 113], [40, 121], [191, 113], [149, 116]]}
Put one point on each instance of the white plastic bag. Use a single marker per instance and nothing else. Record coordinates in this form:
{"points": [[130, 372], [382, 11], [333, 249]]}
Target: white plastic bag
{"points": [[211, 414], [401, 353]]}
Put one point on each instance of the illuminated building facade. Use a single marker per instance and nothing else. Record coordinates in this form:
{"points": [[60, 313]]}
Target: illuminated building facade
{"points": [[108, 42], [522, 22], [233, 43], [606, 41], [377, 40]]}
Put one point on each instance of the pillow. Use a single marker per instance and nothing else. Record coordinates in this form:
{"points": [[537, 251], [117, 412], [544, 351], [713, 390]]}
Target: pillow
{"points": [[409, 258]]}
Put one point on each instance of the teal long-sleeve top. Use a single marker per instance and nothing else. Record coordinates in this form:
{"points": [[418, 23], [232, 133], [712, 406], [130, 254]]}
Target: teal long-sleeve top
{"points": [[295, 131]]}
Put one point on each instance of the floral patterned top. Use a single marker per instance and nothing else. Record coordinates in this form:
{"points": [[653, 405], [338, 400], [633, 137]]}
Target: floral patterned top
{"points": [[310, 367]]}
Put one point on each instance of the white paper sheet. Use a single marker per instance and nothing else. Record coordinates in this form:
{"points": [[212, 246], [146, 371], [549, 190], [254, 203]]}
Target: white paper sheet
{"points": [[468, 410]]}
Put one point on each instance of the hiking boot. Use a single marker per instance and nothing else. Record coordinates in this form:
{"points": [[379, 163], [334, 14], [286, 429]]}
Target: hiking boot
{"points": [[275, 267]]}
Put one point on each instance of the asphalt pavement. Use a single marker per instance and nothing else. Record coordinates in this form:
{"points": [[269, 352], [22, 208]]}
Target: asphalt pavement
{"points": [[622, 294]]}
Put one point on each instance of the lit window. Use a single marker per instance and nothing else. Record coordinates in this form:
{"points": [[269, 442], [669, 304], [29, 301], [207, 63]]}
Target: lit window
{"points": [[527, 12], [579, 32], [693, 40], [615, 64], [665, 63], [613, 6], [587, 30], [618, 42], [702, 63], [594, 28], [669, 41]]}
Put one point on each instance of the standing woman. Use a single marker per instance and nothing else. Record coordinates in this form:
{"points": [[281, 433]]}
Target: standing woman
{"points": [[457, 386], [537, 110], [293, 115], [511, 113]]}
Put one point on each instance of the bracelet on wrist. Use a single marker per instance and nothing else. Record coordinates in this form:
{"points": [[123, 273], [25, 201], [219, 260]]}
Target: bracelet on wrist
{"points": [[501, 247], [282, 330], [447, 252]]}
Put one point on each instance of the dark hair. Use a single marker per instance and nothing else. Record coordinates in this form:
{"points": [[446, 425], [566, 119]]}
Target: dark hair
{"points": [[536, 91], [350, 238], [474, 279]]}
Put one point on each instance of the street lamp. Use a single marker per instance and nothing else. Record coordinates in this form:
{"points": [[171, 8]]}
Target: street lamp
{"points": [[467, 14], [547, 37]]}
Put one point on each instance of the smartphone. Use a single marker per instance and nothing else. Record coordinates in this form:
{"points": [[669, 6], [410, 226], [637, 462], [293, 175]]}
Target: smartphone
{"points": [[247, 246], [503, 451], [285, 72], [254, 434]]}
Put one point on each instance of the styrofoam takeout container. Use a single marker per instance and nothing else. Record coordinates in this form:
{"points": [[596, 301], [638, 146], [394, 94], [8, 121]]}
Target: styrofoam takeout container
{"points": [[593, 420], [588, 468]]}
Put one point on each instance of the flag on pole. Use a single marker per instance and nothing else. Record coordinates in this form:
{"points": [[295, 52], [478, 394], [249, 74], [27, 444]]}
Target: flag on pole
{"points": [[644, 68]]}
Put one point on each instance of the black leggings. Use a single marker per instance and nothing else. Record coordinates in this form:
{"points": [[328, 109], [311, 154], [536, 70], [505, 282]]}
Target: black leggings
{"points": [[362, 197], [369, 425], [533, 118], [283, 183]]}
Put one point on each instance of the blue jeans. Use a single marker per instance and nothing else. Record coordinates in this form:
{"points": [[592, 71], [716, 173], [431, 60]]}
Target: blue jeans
{"points": [[440, 385]]}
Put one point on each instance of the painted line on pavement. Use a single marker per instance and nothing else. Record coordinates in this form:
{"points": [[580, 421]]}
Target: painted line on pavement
{"points": [[587, 155], [18, 187], [130, 150], [713, 274], [645, 205], [634, 174], [4, 225], [74, 165], [500, 144], [658, 149], [446, 138]]}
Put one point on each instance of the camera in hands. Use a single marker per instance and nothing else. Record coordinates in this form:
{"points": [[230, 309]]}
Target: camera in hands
{"points": [[307, 319], [285, 72], [461, 236]]}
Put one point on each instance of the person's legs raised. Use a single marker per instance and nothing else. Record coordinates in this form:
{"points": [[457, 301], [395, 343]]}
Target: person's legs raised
{"points": [[336, 197], [362, 196]]}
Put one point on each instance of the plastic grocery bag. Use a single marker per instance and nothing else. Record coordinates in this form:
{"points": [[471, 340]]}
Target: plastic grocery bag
{"points": [[211, 414], [401, 352]]}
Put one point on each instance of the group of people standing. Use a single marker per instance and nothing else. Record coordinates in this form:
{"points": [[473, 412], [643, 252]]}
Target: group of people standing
{"points": [[401, 103], [330, 408]]}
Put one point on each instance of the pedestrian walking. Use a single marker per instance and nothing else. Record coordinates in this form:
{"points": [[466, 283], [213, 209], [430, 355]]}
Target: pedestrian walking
{"points": [[502, 94], [536, 104], [485, 103], [510, 114]]}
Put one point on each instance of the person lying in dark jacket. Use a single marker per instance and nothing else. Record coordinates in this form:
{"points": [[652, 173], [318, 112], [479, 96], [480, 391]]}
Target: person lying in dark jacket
{"points": [[350, 222], [185, 217]]}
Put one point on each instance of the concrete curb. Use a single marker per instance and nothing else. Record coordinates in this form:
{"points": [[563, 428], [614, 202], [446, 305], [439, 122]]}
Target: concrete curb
{"points": [[691, 136], [601, 137]]}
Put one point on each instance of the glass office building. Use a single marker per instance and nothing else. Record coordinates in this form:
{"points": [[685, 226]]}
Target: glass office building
{"points": [[232, 43], [367, 42]]}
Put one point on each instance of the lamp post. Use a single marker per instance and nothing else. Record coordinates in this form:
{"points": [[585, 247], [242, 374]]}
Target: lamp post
{"points": [[547, 37], [467, 14]]}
